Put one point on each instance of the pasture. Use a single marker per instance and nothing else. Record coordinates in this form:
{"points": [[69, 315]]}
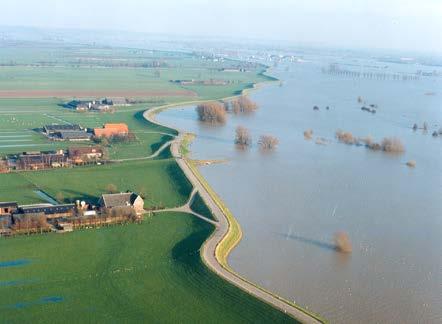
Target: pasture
{"points": [[151, 272]]}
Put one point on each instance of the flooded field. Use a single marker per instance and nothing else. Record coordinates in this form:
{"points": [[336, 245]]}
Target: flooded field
{"points": [[290, 202]]}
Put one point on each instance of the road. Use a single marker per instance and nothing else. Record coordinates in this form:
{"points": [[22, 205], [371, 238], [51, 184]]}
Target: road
{"points": [[222, 228]]}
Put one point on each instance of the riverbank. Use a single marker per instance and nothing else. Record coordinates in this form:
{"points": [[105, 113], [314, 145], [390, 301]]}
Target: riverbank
{"points": [[228, 232]]}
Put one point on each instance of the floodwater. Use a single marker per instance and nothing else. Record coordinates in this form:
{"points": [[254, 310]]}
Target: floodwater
{"points": [[290, 202]]}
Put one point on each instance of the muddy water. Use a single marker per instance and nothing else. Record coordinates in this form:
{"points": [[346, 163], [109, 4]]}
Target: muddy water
{"points": [[290, 202]]}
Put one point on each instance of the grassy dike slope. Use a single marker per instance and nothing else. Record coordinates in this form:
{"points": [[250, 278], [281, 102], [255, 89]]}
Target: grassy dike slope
{"points": [[151, 272]]}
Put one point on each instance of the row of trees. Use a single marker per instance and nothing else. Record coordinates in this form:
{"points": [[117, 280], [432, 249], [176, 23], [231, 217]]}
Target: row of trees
{"points": [[31, 223], [388, 144]]}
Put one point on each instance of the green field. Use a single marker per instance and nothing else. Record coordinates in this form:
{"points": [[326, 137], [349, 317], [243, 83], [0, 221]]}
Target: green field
{"points": [[149, 273], [162, 181]]}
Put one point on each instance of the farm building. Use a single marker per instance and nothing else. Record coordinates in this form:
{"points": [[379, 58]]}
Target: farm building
{"points": [[118, 101], [41, 160], [104, 104], [72, 136], [81, 155], [84, 105], [56, 128], [110, 130], [51, 212], [127, 199]]}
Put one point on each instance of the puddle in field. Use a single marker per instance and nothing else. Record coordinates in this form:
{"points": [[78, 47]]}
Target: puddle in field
{"points": [[41, 301], [14, 263], [14, 283]]}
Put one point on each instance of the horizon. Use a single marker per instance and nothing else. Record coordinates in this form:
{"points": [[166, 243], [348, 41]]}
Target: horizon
{"points": [[278, 44], [395, 25]]}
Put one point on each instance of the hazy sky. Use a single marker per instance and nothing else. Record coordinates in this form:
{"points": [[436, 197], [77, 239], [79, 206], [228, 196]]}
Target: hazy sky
{"points": [[397, 24]]}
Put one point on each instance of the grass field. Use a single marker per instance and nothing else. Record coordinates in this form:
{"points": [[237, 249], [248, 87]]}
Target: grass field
{"points": [[162, 181], [135, 273]]}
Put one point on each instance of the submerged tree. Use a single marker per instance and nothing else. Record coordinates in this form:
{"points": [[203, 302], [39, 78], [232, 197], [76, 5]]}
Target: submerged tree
{"points": [[411, 163], [346, 137], [211, 112], [243, 104], [342, 242], [392, 145], [308, 134], [243, 137], [268, 142]]}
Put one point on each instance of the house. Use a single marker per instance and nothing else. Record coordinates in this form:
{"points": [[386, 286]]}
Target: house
{"points": [[110, 130], [7, 208], [4, 166], [51, 212], [127, 199], [84, 154]]}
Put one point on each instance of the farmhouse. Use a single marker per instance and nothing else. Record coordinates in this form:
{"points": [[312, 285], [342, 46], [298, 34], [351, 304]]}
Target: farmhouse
{"points": [[127, 199], [7, 208], [110, 130], [4, 167], [80, 155]]}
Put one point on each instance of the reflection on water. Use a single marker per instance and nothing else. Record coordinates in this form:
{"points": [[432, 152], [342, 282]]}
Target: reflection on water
{"points": [[291, 202]]}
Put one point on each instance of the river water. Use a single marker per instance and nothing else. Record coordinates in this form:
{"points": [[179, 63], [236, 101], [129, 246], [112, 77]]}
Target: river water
{"points": [[290, 202]]}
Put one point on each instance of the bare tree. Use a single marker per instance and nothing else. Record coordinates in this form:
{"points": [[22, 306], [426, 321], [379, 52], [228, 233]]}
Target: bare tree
{"points": [[111, 188], [346, 137], [59, 197], [411, 163], [392, 145], [342, 242], [268, 142], [243, 137], [308, 134], [243, 104], [211, 112]]}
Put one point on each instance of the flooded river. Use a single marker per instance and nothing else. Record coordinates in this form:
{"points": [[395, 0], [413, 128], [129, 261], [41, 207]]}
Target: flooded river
{"points": [[291, 202]]}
